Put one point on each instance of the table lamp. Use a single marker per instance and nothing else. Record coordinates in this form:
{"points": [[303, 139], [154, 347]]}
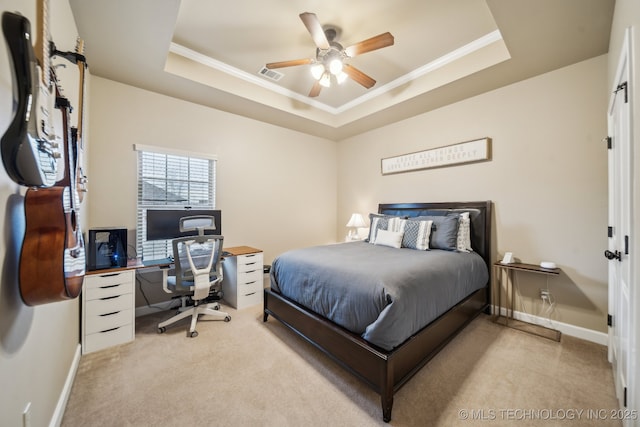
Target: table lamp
{"points": [[356, 221]]}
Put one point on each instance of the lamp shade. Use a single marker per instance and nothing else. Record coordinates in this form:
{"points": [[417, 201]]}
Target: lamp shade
{"points": [[356, 220], [325, 80], [317, 70]]}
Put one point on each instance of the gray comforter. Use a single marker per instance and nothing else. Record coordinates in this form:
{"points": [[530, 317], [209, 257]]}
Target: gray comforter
{"points": [[381, 293]]}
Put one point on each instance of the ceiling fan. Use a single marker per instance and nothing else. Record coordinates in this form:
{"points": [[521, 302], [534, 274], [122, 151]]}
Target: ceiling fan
{"points": [[330, 55]]}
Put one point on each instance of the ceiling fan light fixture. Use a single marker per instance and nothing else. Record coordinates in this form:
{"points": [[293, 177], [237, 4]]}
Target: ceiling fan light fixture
{"points": [[341, 77], [317, 70], [335, 66], [325, 80], [330, 55]]}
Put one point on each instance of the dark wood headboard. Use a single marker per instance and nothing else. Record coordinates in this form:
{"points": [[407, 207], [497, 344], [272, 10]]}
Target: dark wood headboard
{"points": [[479, 212]]}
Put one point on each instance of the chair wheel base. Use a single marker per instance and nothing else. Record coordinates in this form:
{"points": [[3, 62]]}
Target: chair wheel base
{"points": [[162, 330], [193, 334], [227, 319]]}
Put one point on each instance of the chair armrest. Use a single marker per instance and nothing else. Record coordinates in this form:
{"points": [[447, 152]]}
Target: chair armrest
{"points": [[165, 276]]}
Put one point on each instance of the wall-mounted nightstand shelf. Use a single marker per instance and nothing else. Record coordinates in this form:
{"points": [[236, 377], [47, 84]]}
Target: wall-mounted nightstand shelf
{"points": [[510, 270]]}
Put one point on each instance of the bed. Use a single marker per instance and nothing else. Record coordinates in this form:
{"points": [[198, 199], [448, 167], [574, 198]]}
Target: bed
{"points": [[406, 315]]}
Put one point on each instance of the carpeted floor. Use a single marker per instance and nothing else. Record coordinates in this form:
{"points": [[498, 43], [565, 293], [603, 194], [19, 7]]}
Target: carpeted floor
{"points": [[250, 373]]}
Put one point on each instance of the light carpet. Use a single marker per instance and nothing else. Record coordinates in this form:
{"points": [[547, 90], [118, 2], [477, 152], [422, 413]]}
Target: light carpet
{"points": [[250, 373]]}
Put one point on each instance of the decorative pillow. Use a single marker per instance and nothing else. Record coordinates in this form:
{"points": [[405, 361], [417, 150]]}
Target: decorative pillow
{"points": [[464, 233], [444, 233], [389, 238], [396, 224], [416, 234], [377, 222]]}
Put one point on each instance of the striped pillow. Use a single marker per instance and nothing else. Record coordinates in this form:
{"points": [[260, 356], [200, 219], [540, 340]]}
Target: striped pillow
{"points": [[416, 232], [464, 233], [377, 222]]}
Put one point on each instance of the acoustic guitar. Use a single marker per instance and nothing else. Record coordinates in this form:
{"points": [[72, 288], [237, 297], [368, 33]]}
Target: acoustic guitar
{"points": [[29, 146], [52, 260]]}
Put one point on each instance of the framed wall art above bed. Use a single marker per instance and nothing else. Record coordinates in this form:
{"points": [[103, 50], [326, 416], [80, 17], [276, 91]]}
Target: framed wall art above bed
{"points": [[478, 150], [382, 357]]}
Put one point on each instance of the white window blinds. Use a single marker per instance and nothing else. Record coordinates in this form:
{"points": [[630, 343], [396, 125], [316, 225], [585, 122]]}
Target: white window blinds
{"points": [[171, 180]]}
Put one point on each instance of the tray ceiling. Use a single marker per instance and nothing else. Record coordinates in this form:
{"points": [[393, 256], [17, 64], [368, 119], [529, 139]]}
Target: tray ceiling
{"points": [[211, 53]]}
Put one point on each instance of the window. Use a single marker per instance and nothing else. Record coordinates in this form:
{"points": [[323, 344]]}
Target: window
{"points": [[170, 179]]}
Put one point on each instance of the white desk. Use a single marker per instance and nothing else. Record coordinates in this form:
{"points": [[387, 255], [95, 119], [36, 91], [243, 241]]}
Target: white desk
{"points": [[108, 296]]}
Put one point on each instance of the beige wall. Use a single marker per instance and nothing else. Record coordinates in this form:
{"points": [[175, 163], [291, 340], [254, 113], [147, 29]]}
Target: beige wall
{"points": [[546, 136], [547, 178], [37, 344], [276, 187]]}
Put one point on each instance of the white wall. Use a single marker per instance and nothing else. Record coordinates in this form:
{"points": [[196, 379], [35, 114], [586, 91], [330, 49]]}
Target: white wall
{"points": [[547, 178], [37, 344]]}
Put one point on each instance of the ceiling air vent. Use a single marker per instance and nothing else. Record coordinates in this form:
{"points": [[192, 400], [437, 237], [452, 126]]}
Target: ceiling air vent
{"points": [[270, 74]]}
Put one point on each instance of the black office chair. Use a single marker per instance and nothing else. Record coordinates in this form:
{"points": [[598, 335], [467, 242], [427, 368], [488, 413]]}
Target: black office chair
{"points": [[198, 273]]}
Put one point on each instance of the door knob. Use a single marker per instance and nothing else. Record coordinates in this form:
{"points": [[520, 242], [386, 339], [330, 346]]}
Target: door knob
{"points": [[613, 255]]}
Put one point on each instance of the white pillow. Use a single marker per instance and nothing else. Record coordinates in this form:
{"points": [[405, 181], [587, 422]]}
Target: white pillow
{"points": [[464, 233], [389, 238]]}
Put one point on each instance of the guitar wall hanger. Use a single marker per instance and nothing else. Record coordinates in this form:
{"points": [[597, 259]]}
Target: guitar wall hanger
{"points": [[73, 57]]}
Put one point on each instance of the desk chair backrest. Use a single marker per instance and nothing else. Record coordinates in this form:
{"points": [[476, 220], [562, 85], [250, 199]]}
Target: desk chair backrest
{"points": [[198, 263], [198, 258]]}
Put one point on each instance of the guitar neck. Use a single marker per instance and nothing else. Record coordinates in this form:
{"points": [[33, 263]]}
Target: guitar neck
{"points": [[41, 47], [81, 68]]}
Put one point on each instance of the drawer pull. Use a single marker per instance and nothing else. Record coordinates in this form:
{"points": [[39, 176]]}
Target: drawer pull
{"points": [[250, 271], [250, 263], [250, 255], [109, 330], [110, 286], [106, 298], [248, 295], [109, 314], [109, 275], [251, 283]]}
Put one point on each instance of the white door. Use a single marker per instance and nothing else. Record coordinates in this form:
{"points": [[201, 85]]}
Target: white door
{"points": [[620, 156]]}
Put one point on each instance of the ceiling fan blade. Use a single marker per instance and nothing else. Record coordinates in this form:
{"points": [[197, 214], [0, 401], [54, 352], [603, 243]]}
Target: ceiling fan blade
{"points": [[358, 76], [377, 42], [312, 23], [282, 64], [315, 90]]}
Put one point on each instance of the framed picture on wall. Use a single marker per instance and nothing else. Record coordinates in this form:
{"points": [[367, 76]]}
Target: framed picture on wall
{"points": [[478, 150]]}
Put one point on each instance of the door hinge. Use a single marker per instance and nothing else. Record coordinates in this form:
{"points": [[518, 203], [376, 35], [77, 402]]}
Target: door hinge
{"points": [[622, 86], [607, 139], [609, 320], [626, 245], [609, 231]]}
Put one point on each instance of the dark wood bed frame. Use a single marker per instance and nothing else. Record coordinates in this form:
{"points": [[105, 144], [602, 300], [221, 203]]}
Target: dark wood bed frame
{"points": [[387, 371]]}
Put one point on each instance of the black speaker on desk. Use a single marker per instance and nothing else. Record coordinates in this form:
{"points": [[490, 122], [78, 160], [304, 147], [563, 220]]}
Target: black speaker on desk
{"points": [[106, 248]]}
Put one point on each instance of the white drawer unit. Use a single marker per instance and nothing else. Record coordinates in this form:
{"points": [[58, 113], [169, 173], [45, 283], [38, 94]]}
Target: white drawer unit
{"points": [[108, 310], [243, 281]]}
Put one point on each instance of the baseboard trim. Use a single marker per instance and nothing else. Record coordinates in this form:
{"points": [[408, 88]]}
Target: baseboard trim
{"points": [[566, 328], [56, 419]]}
